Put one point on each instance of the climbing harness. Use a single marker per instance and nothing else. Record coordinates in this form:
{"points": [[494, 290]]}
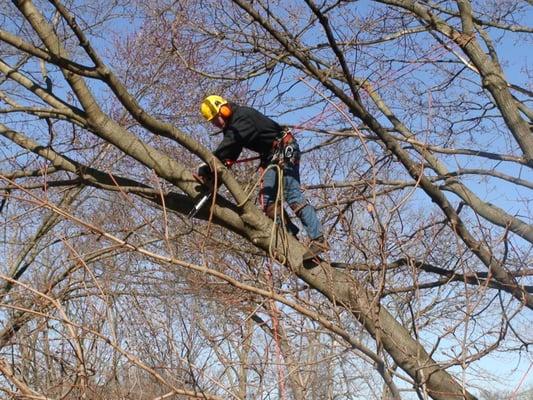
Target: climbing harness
{"points": [[283, 149], [284, 152]]}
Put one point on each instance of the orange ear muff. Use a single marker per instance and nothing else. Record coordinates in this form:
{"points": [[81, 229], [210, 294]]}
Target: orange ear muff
{"points": [[225, 111]]}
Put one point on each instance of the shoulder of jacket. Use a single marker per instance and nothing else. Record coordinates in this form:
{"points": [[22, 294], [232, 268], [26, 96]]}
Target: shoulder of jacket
{"points": [[242, 113], [242, 109]]}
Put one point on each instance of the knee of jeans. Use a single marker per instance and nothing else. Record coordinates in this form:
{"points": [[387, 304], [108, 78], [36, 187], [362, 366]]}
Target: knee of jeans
{"points": [[268, 191]]}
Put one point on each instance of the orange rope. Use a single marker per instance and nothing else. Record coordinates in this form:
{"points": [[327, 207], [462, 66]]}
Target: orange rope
{"points": [[274, 313]]}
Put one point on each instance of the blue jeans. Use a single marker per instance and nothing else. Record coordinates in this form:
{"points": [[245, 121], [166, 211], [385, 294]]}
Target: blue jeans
{"points": [[292, 193]]}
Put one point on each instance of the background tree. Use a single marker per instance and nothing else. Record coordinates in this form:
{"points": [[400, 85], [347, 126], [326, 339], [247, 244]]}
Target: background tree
{"points": [[419, 153]]}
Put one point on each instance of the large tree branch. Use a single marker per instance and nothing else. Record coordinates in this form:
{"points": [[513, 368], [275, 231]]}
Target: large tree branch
{"points": [[483, 253], [74, 114], [493, 78], [484, 22], [129, 102], [99, 179], [30, 49], [411, 357], [492, 213]]}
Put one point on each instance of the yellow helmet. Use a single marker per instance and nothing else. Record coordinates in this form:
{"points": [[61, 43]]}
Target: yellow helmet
{"points": [[211, 106]]}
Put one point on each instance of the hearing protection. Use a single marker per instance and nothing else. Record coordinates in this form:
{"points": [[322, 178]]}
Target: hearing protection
{"points": [[225, 111]]}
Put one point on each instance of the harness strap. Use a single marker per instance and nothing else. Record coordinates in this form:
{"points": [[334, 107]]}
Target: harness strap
{"points": [[284, 139]]}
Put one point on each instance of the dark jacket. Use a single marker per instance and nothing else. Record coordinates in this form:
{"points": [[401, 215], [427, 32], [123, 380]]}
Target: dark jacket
{"points": [[247, 128]]}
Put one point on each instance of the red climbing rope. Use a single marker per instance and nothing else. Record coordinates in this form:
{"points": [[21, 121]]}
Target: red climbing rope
{"points": [[274, 315]]}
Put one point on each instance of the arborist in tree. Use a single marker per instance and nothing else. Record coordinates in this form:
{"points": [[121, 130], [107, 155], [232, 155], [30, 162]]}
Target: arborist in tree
{"points": [[245, 127]]}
